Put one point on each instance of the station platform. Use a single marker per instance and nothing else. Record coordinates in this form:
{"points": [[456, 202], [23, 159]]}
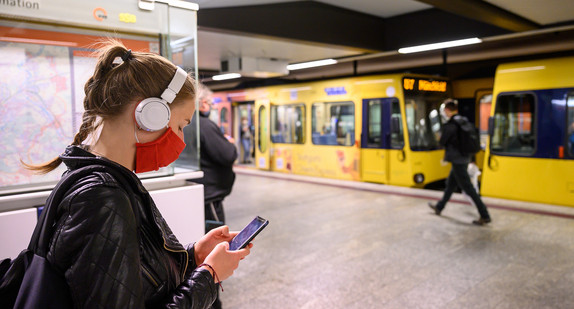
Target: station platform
{"points": [[344, 244]]}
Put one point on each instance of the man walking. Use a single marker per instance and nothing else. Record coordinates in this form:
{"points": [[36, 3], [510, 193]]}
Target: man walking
{"points": [[450, 140]]}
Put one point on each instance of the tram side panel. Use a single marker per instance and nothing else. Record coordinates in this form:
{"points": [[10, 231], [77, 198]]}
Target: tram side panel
{"points": [[530, 156]]}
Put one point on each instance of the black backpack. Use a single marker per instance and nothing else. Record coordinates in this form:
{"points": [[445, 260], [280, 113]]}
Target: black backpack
{"points": [[468, 137]]}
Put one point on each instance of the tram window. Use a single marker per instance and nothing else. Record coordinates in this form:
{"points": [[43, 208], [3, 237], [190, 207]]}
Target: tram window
{"points": [[570, 128], [374, 123], [333, 123], [287, 124], [397, 138], [423, 121], [514, 124]]}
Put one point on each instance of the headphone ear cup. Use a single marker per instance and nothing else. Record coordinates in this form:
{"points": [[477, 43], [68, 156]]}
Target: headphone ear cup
{"points": [[152, 114]]}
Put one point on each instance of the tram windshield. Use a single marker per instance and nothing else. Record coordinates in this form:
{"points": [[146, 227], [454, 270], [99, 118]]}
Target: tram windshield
{"points": [[423, 119]]}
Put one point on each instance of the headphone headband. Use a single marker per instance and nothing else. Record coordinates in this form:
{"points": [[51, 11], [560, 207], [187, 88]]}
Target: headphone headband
{"points": [[175, 85]]}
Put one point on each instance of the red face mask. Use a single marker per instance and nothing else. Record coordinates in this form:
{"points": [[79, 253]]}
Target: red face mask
{"points": [[159, 153]]}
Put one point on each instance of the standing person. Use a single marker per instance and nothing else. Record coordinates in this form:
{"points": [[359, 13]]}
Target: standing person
{"points": [[217, 156], [113, 247], [458, 175], [246, 138]]}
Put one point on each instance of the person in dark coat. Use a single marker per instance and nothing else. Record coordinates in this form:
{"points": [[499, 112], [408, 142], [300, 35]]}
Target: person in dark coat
{"points": [[458, 175], [218, 153], [217, 156]]}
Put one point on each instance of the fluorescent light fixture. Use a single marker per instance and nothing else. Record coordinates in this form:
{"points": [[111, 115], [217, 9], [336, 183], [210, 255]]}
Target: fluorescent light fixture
{"points": [[180, 4], [226, 76], [310, 64], [420, 48]]}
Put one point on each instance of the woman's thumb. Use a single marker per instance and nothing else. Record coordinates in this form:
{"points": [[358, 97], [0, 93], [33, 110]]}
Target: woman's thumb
{"points": [[224, 244]]}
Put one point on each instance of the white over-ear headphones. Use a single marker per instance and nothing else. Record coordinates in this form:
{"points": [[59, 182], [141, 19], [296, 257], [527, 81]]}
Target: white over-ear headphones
{"points": [[153, 114]]}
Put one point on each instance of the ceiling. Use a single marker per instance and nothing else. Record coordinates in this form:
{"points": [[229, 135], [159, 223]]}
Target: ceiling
{"points": [[364, 35]]}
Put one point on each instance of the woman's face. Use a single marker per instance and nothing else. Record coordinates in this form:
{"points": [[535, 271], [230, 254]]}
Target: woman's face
{"points": [[181, 115]]}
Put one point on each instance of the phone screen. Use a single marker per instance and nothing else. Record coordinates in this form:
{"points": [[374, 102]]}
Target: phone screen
{"points": [[248, 233]]}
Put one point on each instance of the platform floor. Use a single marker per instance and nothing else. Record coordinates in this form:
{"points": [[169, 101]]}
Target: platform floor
{"points": [[328, 246]]}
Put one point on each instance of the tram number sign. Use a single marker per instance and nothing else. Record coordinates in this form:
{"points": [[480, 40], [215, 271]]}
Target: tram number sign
{"points": [[419, 84]]}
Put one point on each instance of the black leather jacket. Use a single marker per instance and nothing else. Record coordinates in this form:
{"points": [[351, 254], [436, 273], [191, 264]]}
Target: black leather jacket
{"points": [[116, 250]]}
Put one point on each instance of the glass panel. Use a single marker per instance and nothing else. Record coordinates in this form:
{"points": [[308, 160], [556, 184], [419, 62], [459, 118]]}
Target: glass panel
{"points": [[514, 124], [45, 64], [287, 124], [374, 123], [570, 129], [423, 121], [261, 138], [333, 123], [397, 138], [485, 104]]}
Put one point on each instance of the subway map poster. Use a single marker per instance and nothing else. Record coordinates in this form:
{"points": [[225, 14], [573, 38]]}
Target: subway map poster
{"points": [[39, 107]]}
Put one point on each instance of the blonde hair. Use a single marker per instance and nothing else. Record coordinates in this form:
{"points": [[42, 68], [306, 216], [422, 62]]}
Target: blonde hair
{"points": [[116, 83]]}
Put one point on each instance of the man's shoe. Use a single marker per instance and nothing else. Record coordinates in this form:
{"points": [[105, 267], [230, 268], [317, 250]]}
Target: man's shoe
{"points": [[436, 210], [481, 221]]}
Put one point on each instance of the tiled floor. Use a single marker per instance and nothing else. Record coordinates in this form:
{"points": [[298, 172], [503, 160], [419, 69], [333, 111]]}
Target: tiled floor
{"points": [[334, 247]]}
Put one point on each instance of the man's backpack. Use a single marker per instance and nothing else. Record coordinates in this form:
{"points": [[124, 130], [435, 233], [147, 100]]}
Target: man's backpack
{"points": [[468, 137]]}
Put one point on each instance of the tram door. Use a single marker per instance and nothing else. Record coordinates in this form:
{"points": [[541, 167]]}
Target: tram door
{"points": [[262, 138], [381, 117], [243, 130]]}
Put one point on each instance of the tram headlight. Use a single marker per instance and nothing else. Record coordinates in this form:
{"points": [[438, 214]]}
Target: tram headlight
{"points": [[419, 178]]}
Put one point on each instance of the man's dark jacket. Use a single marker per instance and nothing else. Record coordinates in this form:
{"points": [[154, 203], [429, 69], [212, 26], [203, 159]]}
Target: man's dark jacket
{"points": [[116, 250], [449, 140], [217, 157]]}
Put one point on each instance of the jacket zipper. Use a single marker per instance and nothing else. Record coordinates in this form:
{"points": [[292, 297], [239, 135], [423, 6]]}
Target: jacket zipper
{"points": [[148, 274], [178, 251]]}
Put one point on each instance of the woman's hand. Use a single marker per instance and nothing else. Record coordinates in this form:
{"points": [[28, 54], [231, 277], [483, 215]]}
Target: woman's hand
{"points": [[205, 245], [225, 262]]}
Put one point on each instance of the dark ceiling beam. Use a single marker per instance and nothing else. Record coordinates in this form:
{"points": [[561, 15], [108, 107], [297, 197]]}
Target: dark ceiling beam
{"points": [[485, 12], [307, 21]]}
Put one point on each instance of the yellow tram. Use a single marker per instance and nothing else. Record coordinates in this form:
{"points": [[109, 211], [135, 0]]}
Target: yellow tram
{"points": [[530, 152], [382, 128]]}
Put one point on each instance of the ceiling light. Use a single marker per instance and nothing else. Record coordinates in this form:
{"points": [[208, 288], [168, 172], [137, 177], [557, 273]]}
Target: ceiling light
{"points": [[420, 48], [310, 64], [226, 76]]}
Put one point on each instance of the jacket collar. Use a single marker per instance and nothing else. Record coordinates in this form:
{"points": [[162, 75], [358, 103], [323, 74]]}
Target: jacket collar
{"points": [[78, 156]]}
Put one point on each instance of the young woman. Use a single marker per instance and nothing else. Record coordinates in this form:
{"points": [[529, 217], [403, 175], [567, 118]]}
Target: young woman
{"points": [[111, 242]]}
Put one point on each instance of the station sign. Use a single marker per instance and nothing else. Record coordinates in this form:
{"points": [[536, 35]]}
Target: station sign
{"points": [[424, 84]]}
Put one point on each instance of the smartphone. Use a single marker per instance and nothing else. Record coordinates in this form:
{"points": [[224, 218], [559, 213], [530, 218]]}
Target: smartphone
{"points": [[247, 234]]}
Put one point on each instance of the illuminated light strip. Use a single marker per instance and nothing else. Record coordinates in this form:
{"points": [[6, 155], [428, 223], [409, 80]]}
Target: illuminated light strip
{"points": [[226, 76], [295, 89], [541, 67], [420, 48], [374, 81], [310, 64], [180, 4], [35, 41]]}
